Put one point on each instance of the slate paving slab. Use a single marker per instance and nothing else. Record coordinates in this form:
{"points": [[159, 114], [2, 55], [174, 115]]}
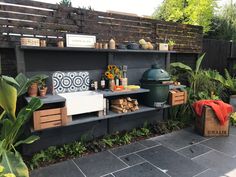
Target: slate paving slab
{"points": [[194, 151], [141, 170], [179, 139], [63, 169], [149, 143], [232, 130], [173, 154], [109, 175], [99, 164], [175, 164], [226, 145], [217, 161], [210, 173], [127, 149], [132, 159]]}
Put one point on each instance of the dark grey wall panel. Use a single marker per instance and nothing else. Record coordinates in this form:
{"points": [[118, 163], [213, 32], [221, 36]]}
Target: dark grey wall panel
{"points": [[62, 135], [64, 61], [137, 120]]}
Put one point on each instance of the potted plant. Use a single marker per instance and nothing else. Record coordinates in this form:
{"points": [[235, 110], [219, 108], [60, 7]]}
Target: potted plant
{"points": [[33, 89], [171, 44], [42, 86], [34, 84]]}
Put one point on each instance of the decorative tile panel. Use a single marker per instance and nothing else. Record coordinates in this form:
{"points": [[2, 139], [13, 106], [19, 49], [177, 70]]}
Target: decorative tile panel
{"points": [[64, 82]]}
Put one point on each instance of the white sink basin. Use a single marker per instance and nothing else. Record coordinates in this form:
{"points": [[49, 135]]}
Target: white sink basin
{"points": [[83, 102]]}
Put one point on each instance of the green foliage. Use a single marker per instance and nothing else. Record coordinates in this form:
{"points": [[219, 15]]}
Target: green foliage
{"points": [[194, 12], [203, 84], [66, 3], [224, 23], [170, 10], [8, 97], [171, 42], [12, 125], [233, 119], [55, 153]]}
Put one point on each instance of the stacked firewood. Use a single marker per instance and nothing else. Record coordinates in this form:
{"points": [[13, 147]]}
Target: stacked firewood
{"points": [[123, 105]]}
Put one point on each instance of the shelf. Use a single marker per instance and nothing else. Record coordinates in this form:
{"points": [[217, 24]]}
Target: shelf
{"points": [[49, 99], [108, 93], [75, 49], [92, 118], [111, 114]]}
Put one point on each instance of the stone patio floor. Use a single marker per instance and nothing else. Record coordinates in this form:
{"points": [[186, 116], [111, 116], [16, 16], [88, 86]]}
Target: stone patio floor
{"points": [[178, 154]]}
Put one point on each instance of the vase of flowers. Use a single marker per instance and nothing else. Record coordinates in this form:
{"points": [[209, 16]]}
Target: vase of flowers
{"points": [[112, 72]]}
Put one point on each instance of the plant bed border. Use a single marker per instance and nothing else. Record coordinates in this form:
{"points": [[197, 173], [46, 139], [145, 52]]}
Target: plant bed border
{"points": [[55, 154]]}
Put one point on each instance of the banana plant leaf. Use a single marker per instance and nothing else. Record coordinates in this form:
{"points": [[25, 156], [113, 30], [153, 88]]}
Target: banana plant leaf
{"points": [[13, 163], [23, 83], [10, 80], [181, 66], [29, 140], [199, 62], [6, 127], [8, 97]]}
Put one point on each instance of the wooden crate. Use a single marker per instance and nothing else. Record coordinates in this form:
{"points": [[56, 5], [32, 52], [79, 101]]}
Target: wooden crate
{"points": [[208, 124], [177, 98], [49, 118]]}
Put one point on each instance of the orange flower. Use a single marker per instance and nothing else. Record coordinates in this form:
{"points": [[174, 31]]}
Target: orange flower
{"points": [[110, 76]]}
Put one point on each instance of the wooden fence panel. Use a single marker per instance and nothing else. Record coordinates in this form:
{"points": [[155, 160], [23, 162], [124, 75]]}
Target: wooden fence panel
{"points": [[217, 52], [23, 17]]}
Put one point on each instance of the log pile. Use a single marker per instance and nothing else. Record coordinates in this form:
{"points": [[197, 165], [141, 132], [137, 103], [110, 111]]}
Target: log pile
{"points": [[124, 105]]}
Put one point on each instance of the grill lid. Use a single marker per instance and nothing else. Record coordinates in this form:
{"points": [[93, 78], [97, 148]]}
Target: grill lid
{"points": [[155, 73]]}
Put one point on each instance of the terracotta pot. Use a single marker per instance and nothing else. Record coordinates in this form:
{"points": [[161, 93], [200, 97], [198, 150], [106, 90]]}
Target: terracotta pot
{"points": [[43, 91], [171, 47], [33, 90]]}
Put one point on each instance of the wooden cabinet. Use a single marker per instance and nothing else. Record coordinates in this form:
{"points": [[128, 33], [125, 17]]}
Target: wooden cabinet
{"points": [[49, 118]]}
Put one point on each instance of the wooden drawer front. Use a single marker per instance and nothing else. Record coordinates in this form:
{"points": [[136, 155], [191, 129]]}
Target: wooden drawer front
{"points": [[49, 118], [177, 98]]}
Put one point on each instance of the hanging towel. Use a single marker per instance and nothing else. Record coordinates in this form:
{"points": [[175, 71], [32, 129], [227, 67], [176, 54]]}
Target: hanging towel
{"points": [[221, 109]]}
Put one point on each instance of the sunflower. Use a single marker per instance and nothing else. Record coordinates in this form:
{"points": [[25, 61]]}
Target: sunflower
{"points": [[107, 74], [109, 67], [117, 71]]}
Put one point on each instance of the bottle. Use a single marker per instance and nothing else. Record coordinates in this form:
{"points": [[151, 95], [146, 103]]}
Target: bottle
{"points": [[96, 85], [103, 83], [112, 44], [124, 82], [117, 81], [92, 85]]}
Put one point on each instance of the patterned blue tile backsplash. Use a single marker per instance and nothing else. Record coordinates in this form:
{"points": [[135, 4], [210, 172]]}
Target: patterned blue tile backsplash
{"points": [[64, 82]]}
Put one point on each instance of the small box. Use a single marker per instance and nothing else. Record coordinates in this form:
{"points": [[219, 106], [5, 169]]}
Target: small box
{"points": [[50, 118], [209, 125], [35, 42], [177, 98], [163, 47], [84, 41]]}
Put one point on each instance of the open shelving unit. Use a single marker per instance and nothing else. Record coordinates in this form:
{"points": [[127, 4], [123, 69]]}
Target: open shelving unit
{"points": [[90, 117]]}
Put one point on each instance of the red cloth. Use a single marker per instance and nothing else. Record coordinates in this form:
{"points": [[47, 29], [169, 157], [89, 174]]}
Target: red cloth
{"points": [[221, 109]]}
